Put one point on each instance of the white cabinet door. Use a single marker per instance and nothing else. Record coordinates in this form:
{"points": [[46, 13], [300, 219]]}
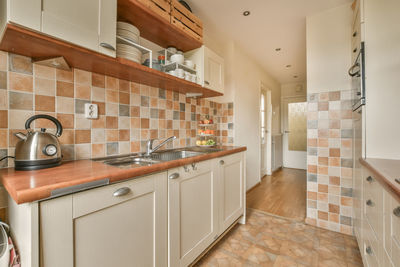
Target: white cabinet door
{"points": [[25, 13], [89, 23], [357, 176], [213, 71], [232, 189], [98, 228], [193, 211], [108, 27]]}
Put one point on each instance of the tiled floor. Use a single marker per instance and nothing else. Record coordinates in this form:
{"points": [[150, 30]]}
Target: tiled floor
{"points": [[266, 240]]}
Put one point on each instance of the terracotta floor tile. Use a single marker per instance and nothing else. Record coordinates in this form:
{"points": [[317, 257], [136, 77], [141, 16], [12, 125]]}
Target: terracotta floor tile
{"points": [[267, 240]]}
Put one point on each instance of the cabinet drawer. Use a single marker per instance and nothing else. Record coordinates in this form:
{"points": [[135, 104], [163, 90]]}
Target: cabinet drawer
{"points": [[100, 198], [190, 170], [395, 253], [371, 246], [373, 208]]}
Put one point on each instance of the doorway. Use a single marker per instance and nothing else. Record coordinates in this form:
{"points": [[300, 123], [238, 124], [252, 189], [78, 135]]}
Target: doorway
{"points": [[265, 128], [294, 123]]}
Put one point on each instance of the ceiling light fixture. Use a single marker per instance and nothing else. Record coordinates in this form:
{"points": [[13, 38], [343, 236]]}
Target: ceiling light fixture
{"points": [[278, 49], [246, 13]]}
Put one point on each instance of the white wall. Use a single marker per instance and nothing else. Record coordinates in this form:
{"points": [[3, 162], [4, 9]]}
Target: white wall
{"points": [[329, 50], [290, 89], [382, 47]]}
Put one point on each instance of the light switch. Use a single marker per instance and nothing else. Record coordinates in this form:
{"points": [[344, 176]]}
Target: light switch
{"points": [[91, 111]]}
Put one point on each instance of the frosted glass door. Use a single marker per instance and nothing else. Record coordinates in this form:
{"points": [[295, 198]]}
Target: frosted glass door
{"points": [[298, 126]]}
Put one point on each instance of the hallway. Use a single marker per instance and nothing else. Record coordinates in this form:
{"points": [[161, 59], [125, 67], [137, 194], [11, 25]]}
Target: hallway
{"points": [[282, 194]]}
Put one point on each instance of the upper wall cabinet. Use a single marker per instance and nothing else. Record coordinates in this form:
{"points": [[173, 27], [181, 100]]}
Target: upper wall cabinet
{"points": [[21, 12], [89, 23], [210, 68]]}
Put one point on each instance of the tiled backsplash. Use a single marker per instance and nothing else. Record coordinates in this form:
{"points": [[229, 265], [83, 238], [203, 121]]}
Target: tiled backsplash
{"points": [[129, 113], [329, 174]]}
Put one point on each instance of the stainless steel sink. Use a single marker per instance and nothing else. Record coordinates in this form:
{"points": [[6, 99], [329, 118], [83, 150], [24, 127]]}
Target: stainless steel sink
{"points": [[137, 160], [173, 155]]}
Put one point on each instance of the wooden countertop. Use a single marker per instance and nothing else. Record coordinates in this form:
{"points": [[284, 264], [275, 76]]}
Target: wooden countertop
{"points": [[386, 171], [30, 186]]}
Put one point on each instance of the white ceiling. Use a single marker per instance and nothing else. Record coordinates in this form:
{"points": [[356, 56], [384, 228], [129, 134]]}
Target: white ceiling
{"points": [[271, 24]]}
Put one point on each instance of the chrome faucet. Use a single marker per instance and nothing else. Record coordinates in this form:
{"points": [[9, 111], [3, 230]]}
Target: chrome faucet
{"points": [[149, 145]]}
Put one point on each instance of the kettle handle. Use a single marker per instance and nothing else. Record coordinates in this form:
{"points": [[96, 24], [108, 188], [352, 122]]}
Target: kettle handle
{"points": [[43, 116]]}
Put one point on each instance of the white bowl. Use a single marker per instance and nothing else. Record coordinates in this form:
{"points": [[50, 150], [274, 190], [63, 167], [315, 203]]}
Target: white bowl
{"points": [[177, 58], [189, 63], [172, 49]]}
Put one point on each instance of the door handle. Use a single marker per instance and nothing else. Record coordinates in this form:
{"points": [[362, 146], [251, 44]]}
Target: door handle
{"points": [[122, 192], [108, 46], [174, 176], [207, 82]]}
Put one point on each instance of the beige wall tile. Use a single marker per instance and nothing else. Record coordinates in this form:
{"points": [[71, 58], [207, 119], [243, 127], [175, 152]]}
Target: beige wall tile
{"points": [[112, 109], [83, 77], [83, 91], [18, 118], [98, 94], [45, 103], [98, 135], [65, 105], [3, 61], [20, 82], [45, 72], [124, 147], [124, 122], [81, 122], [20, 64], [3, 99], [3, 138], [98, 150], [111, 83], [64, 75], [45, 86], [83, 151], [20, 101]]}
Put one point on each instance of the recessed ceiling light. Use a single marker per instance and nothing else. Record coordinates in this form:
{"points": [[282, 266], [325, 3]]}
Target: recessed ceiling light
{"points": [[246, 13], [295, 76], [288, 66], [277, 49]]}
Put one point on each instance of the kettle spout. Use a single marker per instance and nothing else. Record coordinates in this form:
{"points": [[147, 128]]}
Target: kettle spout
{"points": [[20, 136]]}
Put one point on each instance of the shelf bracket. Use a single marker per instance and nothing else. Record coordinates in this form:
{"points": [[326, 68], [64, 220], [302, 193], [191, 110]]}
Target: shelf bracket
{"points": [[53, 62]]}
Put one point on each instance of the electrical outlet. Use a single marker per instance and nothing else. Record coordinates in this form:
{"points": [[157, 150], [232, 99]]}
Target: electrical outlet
{"points": [[91, 111]]}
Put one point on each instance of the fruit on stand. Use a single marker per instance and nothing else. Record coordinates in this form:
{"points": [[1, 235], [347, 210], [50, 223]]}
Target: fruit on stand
{"points": [[209, 142], [198, 143], [206, 132]]}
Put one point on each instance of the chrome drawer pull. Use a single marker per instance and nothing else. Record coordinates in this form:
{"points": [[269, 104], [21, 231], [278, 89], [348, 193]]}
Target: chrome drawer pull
{"points": [[221, 162], [174, 176], [194, 167], [396, 212], [370, 179], [186, 168], [368, 250], [354, 34], [122, 192], [397, 180], [370, 203]]}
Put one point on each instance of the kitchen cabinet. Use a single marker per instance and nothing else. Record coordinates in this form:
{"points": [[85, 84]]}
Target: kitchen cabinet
{"points": [[123, 224], [21, 12], [90, 23], [377, 227], [193, 211], [205, 199], [210, 68], [231, 190]]}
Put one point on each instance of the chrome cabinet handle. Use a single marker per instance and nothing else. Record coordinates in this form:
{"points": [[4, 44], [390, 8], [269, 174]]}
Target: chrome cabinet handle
{"points": [[174, 176], [396, 212], [355, 34], [397, 180], [354, 50], [194, 167], [207, 82], [108, 46], [221, 162], [369, 203], [370, 179], [368, 250], [122, 192]]}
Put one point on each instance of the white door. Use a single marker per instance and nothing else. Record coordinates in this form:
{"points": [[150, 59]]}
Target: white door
{"points": [[265, 127], [193, 211], [213, 71], [295, 133]]}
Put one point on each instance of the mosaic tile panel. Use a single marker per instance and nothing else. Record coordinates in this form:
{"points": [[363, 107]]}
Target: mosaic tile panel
{"points": [[129, 113], [329, 159]]}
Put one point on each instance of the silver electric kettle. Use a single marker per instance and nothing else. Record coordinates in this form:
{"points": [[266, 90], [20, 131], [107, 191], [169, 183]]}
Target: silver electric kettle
{"points": [[38, 149]]}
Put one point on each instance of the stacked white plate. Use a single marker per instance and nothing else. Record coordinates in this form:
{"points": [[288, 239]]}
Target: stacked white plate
{"points": [[129, 52], [131, 33], [128, 31]]}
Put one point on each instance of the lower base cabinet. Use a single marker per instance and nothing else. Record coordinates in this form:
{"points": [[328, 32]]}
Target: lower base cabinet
{"points": [[124, 224], [205, 199]]}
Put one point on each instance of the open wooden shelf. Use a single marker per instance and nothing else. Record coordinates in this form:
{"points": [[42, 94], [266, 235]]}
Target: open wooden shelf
{"points": [[36, 45], [154, 27]]}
